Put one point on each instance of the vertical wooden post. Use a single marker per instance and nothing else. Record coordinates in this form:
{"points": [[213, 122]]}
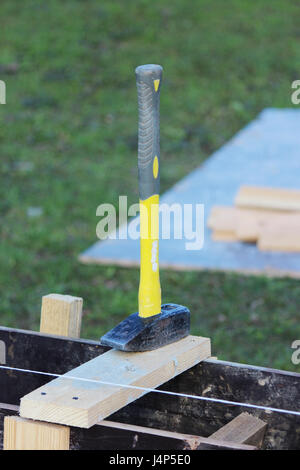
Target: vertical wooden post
{"points": [[24, 434], [61, 315]]}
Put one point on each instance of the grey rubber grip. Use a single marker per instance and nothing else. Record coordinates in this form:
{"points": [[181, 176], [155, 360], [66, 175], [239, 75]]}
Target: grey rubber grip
{"points": [[148, 80]]}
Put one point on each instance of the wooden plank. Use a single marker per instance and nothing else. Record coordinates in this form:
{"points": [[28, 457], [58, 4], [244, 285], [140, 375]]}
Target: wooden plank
{"points": [[154, 439], [244, 429], [223, 221], [287, 242], [268, 198], [214, 444], [23, 434], [61, 315], [223, 218], [250, 225], [82, 403], [282, 234], [224, 236]]}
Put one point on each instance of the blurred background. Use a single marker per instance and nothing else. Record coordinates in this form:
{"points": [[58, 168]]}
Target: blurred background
{"points": [[68, 142]]}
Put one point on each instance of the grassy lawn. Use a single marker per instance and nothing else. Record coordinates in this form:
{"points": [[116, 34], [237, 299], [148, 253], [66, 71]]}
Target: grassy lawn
{"points": [[68, 141]]}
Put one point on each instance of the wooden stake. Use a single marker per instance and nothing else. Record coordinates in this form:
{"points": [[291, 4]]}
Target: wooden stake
{"points": [[61, 315], [24, 434]]}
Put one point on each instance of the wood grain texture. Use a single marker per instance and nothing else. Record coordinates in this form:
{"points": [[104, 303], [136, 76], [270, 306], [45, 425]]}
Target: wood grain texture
{"points": [[223, 218], [268, 198], [24, 434], [250, 224], [140, 437], [82, 403], [244, 429], [281, 234], [61, 315]]}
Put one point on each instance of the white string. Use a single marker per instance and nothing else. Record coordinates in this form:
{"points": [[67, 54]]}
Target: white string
{"points": [[153, 390]]}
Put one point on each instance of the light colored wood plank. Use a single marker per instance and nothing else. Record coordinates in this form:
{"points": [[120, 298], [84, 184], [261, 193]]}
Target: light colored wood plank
{"points": [[177, 440], [251, 223], [244, 429], [268, 198], [223, 218], [223, 236], [82, 403], [283, 234], [24, 434], [61, 315]]}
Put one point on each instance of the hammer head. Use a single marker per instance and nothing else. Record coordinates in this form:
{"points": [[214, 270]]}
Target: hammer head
{"points": [[144, 334]]}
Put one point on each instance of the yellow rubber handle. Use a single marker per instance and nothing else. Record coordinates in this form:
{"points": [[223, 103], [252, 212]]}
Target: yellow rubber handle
{"points": [[149, 290]]}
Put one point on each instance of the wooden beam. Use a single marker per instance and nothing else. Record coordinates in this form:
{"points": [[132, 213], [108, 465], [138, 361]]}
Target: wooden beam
{"points": [[82, 403], [251, 223], [61, 315], [223, 218], [282, 234], [24, 434], [215, 444], [139, 437], [223, 236], [244, 429], [268, 198]]}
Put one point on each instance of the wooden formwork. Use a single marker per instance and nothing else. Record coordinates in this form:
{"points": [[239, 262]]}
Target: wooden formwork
{"points": [[154, 421]]}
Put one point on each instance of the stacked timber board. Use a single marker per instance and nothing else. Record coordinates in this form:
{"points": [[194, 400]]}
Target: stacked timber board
{"points": [[269, 217]]}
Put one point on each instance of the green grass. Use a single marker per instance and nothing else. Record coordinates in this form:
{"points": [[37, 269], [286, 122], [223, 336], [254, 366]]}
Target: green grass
{"points": [[68, 143]]}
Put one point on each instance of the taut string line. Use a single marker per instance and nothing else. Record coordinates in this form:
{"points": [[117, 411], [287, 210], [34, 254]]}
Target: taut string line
{"points": [[164, 392]]}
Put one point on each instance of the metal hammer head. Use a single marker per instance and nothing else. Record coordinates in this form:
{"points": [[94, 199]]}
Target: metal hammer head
{"points": [[143, 334]]}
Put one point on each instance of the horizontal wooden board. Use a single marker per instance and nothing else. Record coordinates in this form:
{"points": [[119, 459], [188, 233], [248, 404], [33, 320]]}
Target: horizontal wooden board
{"points": [[268, 198], [82, 403], [224, 236], [244, 429], [280, 238], [223, 218]]}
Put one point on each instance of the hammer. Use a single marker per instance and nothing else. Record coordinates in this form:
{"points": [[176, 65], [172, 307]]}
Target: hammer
{"points": [[154, 325]]}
